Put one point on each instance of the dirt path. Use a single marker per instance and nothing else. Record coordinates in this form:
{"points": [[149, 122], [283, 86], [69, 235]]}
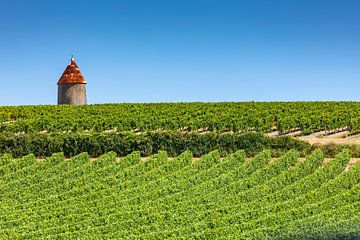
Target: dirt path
{"points": [[337, 138]]}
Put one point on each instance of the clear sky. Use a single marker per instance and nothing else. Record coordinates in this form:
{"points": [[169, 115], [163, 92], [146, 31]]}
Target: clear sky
{"points": [[181, 50]]}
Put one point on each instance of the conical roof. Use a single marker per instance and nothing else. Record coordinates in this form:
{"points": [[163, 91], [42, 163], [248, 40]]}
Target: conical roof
{"points": [[72, 74]]}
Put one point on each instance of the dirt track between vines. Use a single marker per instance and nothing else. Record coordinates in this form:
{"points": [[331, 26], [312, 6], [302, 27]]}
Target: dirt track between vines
{"points": [[338, 138]]}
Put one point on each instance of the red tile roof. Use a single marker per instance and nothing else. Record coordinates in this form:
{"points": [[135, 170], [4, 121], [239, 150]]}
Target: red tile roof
{"points": [[72, 74]]}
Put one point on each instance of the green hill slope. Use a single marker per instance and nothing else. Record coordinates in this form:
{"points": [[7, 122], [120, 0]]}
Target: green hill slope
{"points": [[218, 117], [161, 197]]}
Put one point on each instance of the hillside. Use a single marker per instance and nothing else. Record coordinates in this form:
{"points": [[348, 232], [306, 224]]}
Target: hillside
{"points": [[161, 197], [176, 127], [283, 117]]}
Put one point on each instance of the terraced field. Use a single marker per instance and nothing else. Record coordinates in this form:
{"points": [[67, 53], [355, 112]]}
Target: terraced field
{"points": [[161, 197]]}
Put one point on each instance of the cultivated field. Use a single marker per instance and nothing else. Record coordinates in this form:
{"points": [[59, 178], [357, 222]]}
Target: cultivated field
{"points": [[157, 197], [279, 117], [181, 170]]}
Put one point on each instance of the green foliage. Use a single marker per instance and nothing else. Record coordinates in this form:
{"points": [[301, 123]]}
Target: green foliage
{"points": [[181, 198], [214, 117], [173, 127], [5, 160], [331, 149], [147, 144]]}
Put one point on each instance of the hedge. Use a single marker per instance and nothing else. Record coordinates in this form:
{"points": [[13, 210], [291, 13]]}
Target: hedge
{"points": [[43, 145]]}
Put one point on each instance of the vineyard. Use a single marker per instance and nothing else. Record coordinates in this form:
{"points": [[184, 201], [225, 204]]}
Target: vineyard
{"points": [[160, 197], [283, 117], [179, 170]]}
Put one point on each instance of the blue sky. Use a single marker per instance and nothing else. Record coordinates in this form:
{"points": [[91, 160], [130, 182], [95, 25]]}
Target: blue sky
{"points": [[182, 50]]}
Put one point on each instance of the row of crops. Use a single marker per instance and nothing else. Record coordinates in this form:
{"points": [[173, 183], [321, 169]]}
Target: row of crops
{"points": [[161, 197], [219, 117]]}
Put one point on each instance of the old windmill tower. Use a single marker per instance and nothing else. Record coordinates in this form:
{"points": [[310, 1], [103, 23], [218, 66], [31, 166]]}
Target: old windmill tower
{"points": [[72, 85]]}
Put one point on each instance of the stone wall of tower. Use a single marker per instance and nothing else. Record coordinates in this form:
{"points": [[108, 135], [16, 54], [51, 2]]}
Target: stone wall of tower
{"points": [[72, 94]]}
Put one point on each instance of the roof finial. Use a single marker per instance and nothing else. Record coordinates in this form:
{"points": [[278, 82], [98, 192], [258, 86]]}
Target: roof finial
{"points": [[72, 57]]}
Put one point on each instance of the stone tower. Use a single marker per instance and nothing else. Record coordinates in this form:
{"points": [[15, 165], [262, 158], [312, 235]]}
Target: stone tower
{"points": [[72, 86]]}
